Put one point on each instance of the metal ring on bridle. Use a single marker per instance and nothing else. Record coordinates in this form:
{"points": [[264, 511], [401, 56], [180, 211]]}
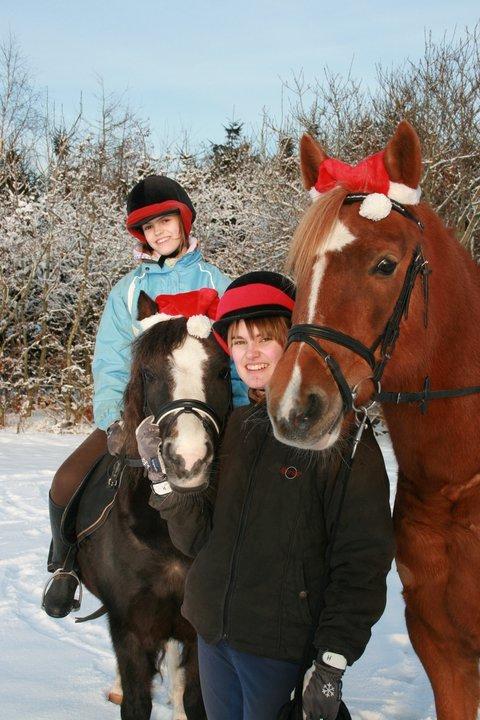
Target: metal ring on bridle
{"points": [[366, 408]]}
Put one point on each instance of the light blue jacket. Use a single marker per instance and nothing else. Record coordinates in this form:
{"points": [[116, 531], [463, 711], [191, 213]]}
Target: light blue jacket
{"points": [[119, 326]]}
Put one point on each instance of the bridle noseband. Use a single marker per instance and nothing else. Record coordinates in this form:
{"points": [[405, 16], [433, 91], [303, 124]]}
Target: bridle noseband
{"points": [[173, 409], [385, 343], [204, 412]]}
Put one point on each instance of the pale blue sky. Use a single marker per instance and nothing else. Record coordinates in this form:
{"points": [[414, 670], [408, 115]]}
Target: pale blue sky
{"points": [[189, 64]]}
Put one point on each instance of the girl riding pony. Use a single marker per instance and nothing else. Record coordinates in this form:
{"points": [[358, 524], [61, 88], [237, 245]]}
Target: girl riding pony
{"points": [[160, 215]]}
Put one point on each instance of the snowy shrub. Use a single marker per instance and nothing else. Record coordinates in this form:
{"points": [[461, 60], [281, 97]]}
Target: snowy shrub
{"points": [[63, 243]]}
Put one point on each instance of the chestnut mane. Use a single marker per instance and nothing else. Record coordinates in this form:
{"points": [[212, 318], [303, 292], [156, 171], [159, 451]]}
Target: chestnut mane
{"points": [[313, 232]]}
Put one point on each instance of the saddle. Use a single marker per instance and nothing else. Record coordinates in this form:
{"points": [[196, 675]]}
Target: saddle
{"points": [[93, 500]]}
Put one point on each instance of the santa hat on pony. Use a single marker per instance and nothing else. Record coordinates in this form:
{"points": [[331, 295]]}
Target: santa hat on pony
{"points": [[198, 306], [387, 177]]}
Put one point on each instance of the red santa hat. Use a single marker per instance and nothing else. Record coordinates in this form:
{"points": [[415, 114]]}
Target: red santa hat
{"points": [[368, 176], [199, 306]]}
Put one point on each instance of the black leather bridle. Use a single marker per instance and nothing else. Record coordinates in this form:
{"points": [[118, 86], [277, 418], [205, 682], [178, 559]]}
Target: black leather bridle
{"points": [[173, 409], [385, 343]]}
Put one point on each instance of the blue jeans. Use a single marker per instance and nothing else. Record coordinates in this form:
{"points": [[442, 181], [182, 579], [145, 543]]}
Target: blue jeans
{"points": [[242, 686]]}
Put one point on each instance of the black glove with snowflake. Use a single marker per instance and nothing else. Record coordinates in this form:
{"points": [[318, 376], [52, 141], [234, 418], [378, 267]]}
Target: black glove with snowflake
{"points": [[322, 692]]}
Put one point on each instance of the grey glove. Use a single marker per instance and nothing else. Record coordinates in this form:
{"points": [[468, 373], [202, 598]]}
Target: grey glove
{"points": [[322, 692], [148, 443], [115, 437]]}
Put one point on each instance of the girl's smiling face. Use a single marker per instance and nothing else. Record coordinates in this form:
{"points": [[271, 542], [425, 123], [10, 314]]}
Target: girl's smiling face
{"points": [[163, 234], [255, 355]]}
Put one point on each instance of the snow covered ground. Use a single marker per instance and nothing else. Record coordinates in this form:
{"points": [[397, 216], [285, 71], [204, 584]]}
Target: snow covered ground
{"points": [[56, 670]]}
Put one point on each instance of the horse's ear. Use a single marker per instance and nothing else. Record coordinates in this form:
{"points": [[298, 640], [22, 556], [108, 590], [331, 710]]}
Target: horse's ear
{"points": [[145, 306], [311, 155], [403, 156]]}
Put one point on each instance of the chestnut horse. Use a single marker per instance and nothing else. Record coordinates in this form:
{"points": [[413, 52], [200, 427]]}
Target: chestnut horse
{"points": [[130, 563], [388, 310]]}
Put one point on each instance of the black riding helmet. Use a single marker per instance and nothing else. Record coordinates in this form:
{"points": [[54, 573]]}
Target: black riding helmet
{"points": [[256, 294], [154, 196]]}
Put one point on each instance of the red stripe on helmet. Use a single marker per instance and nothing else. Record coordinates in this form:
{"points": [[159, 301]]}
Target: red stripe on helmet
{"points": [[134, 219], [250, 295], [221, 342]]}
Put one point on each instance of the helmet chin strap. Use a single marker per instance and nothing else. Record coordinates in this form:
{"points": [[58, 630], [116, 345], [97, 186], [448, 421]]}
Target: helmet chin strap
{"points": [[162, 258]]}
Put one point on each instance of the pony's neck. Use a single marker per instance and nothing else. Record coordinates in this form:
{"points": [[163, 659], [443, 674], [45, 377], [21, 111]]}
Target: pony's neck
{"points": [[440, 447]]}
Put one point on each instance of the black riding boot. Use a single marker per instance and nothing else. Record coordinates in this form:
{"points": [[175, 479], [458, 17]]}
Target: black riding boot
{"points": [[59, 594]]}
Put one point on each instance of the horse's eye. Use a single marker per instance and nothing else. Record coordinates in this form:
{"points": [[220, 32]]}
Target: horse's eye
{"points": [[385, 267], [148, 374]]}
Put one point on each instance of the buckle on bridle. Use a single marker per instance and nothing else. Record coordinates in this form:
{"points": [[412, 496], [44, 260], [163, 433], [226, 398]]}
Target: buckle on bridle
{"points": [[366, 409]]}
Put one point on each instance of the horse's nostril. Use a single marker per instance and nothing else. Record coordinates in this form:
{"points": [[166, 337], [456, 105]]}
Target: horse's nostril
{"points": [[304, 417], [167, 450]]}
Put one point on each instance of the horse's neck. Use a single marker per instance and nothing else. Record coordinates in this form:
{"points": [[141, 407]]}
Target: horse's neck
{"points": [[440, 447]]}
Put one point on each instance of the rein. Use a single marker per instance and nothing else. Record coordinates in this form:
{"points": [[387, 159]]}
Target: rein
{"points": [[308, 333]]}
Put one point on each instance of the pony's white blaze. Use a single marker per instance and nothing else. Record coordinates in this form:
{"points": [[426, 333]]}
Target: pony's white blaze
{"points": [[187, 366], [291, 392]]}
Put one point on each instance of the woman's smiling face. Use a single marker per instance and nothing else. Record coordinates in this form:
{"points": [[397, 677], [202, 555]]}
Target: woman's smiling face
{"points": [[255, 355]]}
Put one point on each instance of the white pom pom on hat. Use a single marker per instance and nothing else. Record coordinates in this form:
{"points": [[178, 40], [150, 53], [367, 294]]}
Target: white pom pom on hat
{"points": [[200, 326], [376, 206]]}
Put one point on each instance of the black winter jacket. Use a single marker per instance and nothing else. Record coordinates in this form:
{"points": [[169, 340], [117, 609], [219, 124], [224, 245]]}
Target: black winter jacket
{"points": [[259, 546]]}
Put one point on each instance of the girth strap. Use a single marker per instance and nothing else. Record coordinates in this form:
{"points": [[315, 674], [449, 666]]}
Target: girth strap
{"points": [[132, 462]]}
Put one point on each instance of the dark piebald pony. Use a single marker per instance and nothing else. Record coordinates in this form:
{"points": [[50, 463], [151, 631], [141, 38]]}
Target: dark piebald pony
{"points": [[395, 302], [130, 562]]}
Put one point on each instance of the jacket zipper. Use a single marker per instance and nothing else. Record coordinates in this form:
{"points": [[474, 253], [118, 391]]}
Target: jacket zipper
{"points": [[241, 531]]}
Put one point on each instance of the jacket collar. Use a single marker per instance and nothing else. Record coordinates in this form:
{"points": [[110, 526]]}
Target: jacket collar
{"points": [[186, 261]]}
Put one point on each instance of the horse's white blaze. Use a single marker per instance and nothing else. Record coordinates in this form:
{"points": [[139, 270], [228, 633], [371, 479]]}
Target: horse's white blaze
{"points": [[176, 676], [187, 366], [339, 237], [291, 392], [317, 276]]}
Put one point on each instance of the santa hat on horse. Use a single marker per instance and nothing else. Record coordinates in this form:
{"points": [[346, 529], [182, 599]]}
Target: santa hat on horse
{"points": [[376, 177]]}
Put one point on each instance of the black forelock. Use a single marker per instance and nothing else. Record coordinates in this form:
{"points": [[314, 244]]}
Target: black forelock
{"points": [[161, 339]]}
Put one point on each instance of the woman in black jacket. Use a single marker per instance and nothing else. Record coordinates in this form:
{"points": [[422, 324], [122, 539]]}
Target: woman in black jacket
{"points": [[260, 532]]}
